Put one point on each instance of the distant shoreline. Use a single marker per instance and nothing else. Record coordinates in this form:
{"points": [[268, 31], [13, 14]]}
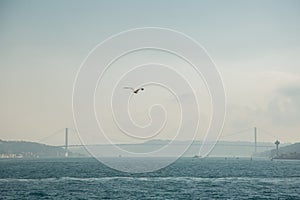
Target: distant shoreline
{"points": [[298, 159]]}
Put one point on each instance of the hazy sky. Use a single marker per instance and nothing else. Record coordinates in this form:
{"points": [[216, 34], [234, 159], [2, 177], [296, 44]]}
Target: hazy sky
{"points": [[255, 44]]}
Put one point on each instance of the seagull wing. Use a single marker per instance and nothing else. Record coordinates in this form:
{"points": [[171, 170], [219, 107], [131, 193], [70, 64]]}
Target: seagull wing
{"points": [[137, 90], [129, 88]]}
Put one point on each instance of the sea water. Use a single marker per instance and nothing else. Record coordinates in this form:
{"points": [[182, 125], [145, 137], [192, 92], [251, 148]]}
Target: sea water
{"points": [[187, 178]]}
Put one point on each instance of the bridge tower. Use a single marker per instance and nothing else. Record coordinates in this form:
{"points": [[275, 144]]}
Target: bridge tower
{"points": [[66, 143], [255, 139]]}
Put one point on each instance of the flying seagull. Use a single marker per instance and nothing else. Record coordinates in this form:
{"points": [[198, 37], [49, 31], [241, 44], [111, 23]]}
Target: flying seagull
{"points": [[134, 90]]}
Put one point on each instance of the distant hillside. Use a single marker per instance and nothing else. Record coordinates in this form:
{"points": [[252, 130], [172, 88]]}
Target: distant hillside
{"points": [[12, 149], [287, 152], [291, 148]]}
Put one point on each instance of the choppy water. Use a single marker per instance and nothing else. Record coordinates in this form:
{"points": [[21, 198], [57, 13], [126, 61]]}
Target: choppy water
{"points": [[186, 179]]}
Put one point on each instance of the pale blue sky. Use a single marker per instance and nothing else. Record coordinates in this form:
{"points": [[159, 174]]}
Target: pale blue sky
{"points": [[256, 45]]}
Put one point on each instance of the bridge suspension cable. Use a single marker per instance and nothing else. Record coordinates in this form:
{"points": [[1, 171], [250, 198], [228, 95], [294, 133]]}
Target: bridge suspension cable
{"points": [[51, 134], [266, 132], [237, 132]]}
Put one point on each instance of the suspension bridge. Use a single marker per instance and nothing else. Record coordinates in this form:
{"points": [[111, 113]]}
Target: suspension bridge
{"points": [[255, 144]]}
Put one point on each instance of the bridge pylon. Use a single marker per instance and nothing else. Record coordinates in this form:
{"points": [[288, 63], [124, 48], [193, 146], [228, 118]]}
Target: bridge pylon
{"points": [[66, 143]]}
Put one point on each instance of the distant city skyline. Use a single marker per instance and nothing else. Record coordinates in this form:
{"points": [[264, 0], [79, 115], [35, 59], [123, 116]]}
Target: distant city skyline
{"points": [[255, 46]]}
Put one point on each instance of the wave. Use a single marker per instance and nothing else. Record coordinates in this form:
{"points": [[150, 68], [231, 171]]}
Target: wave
{"points": [[180, 179]]}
